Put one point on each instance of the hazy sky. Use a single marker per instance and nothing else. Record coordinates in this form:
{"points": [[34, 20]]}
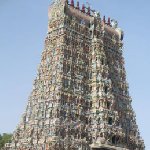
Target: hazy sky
{"points": [[23, 27]]}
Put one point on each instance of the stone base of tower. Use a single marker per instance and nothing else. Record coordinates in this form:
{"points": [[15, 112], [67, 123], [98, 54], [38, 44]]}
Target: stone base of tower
{"points": [[105, 147]]}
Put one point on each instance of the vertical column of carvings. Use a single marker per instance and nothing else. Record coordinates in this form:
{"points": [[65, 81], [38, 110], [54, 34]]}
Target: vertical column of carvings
{"points": [[103, 115], [55, 47], [102, 99], [117, 137], [52, 103], [110, 115], [40, 124], [122, 101], [75, 84]]}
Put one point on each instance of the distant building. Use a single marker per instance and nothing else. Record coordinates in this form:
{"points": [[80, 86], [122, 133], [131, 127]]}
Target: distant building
{"points": [[80, 98]]}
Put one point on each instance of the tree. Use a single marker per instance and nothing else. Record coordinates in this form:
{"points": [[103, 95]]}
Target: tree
{"points": [[5, 138], [0, 141]]}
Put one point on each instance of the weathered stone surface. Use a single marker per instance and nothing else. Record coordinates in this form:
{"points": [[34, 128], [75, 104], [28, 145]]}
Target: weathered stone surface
{"points": [[80, 98]]}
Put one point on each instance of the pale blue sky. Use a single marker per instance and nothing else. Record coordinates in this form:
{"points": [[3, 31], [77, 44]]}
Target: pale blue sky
{"points": [[23, 27]]}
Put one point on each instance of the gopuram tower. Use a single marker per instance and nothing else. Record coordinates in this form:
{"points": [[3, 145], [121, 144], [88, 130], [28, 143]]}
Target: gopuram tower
{"points": [[80, 98]]}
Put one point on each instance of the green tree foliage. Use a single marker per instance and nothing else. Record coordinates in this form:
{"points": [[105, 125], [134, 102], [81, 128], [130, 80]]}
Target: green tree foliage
{"points": [[5, 138]]}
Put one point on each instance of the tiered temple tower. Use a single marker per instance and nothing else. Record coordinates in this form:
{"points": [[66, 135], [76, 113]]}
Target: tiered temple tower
{"points": [[80, 98]]}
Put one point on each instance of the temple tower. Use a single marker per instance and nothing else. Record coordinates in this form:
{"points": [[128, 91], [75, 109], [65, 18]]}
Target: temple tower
{"points": [[80, 98]]}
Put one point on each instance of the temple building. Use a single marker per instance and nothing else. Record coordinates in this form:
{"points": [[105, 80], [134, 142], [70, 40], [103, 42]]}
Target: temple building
{"points": [[80, 98]]}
